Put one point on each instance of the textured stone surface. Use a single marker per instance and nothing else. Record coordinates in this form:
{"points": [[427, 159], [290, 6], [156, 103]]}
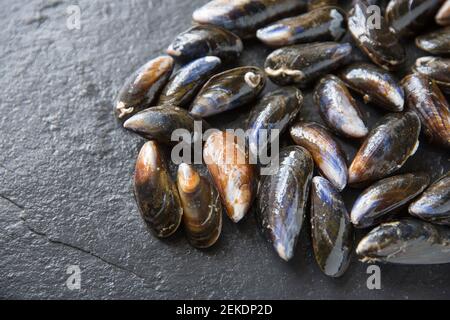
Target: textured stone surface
{"points": [[66, 174]]}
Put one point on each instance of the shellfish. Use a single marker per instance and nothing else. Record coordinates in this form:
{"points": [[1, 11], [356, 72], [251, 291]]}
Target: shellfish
{"points": [[326, 152], [436, 42], [302, 64], [443, 16], [389, 145], [282, 200], [338, 108], [434, 204], [228, 90], [202, 209], [385, 196], [315, 4], [332, 232], [156, 194], [437, 69], [142, 88], [406, 242]]}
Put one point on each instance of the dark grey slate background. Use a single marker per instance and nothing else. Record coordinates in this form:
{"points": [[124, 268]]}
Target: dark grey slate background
{"points": [[66, 174]]}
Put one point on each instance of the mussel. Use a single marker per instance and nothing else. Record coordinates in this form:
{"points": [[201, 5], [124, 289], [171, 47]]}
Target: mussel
{"points": [[315, 4], [389, 145], [434, 204], [443, 16], [206, 40], [202, 209], [142, 88], [425, 98], [155, 192], [375, 85], [244, 17], [302, 64], [323, 24], [407, 17], [332, 232], [436, 42], [385, 196], [377, 41], [275, 111], [437, 69], [185, 84], [338, 108], [406, 242], [326, 152], [228, 90], [235, 178], [159, 123], [282, 200]]}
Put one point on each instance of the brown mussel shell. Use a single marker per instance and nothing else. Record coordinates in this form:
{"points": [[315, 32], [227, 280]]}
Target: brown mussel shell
{"points": [[338, 108], [443, 16], [156, 194], [159, 123], [436, 42], [315, 4], [325, 150], [378, 42], [375, 85], [385, 196], [302, 64], [143, 87], [234, 177], [202, 209], [244, 17], [282, 199], [228, 90], [185, 84], [206, 40], [332, 232], [275, 111], [407, 241], [408, 17], [424, 97], [434, 204], [437, 69], [389, 145], [323, 24]]}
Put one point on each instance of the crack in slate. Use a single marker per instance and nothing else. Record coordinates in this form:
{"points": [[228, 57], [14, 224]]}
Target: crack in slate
{"points": [[21, 207]]}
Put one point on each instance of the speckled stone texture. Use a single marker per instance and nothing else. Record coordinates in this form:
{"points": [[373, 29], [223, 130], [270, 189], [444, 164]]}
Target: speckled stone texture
{"points": [[66, 174]]}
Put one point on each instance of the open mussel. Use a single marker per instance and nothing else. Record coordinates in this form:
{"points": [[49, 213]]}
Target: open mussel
{"points": [[202, 209], [437, 69], [443, 16], [233, 175], [424, 97], [385, 196], [377, 41], [375, 85], [244, 17], [434, 204], [275, 111], [206, 40], [338, 108], [315, 4], [326, 152], [407, 241], [282, 199], [228, 90], [142, 88], [332, 232], [408, 17], [302, 64], [156, 194], [436, 42], [185, 84], [389, 145], [323, 24], [159, 123]]}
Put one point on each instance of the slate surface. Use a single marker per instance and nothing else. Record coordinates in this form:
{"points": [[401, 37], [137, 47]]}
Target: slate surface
{"points": [[66, 168]]}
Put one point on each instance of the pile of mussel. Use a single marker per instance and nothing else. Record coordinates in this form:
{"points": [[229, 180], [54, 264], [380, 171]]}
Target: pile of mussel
{"points": [[409, 214]]}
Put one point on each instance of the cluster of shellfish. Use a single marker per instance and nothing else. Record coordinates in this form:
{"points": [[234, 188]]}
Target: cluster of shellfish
{"points": [[309, 52]]}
